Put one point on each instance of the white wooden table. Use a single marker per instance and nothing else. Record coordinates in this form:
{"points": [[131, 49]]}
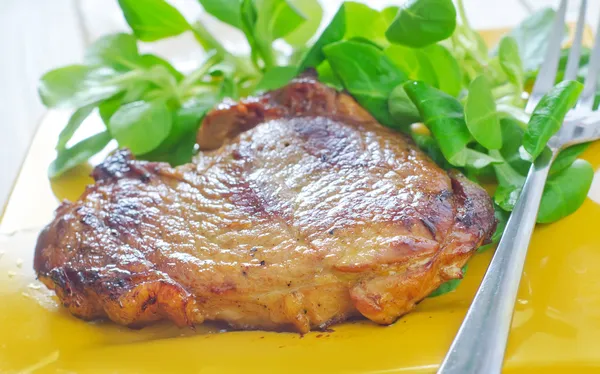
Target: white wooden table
{"points": [[39, 35]]}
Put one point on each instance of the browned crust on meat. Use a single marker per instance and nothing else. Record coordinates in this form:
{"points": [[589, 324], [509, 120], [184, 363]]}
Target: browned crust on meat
{"points": [[123, 251], [304, 96], [385, 299]]}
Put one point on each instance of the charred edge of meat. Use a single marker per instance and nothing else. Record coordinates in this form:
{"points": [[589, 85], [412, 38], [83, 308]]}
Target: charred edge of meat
{"points": [[119, 165], [303, 96], [473, 225], [134, 300], [114, 167], [477, 207]]}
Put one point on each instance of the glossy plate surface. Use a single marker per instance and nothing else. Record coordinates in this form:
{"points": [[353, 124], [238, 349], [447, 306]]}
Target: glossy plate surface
{"points": [[556, 326]]}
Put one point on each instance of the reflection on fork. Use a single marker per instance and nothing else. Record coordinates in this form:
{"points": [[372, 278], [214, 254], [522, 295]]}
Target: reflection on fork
{"points": [[480, 344]]}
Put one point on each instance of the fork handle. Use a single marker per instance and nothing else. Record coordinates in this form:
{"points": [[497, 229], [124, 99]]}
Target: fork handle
{"points": [[480, 343]]}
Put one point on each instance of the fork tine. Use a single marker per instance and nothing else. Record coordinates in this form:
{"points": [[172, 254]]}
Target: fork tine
{"points": [[575, 52], [591, 80], [547, 75]]}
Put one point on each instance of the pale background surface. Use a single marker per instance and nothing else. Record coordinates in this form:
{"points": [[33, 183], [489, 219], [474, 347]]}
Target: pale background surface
{"points": [[38, 35]]}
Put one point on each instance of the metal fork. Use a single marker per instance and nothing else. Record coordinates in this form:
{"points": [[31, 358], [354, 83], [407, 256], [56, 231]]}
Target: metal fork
{"points": [[480, 344]]}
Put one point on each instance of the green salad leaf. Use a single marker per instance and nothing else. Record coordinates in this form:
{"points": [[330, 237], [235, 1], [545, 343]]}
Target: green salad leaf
{"points": [[348, 23], [367, 73], [510, 61], [334, 32], [178, 147], [75, 121], [141, 126], [481, 116], [423, 22], [118, 51], [565, 191], [428, 144], [76, 86], [276, 77], [512, 138], [79, 153], [228, 11], [506, 175], [532, 36], [389, 14], [357, 16], [275, 19], [446, 68], [147, 61], [108, 107], [549, 114], [506, 196], [152, 20], [313, 13], [402, 109], [444, 117], [249, 16], [414, 62], [567, 157], [328, 76]]}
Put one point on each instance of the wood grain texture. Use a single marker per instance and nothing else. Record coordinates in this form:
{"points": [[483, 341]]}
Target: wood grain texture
{"points": [[35, 36]]}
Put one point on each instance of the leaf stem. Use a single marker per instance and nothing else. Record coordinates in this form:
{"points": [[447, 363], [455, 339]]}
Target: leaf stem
{"points": [[212, 59], [464, 40], [266, 52], [505, 173], [463, 14], [210, 43], [125, 77], [196, 91], [468, 38], [207, 40], [504, 90], [509, 110]]}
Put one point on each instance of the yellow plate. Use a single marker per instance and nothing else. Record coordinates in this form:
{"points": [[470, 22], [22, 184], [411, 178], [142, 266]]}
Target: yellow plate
{"points": [[556, 326]]}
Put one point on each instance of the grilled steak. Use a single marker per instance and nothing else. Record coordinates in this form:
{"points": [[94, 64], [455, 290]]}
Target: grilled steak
{"points": [[300, 212]]}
